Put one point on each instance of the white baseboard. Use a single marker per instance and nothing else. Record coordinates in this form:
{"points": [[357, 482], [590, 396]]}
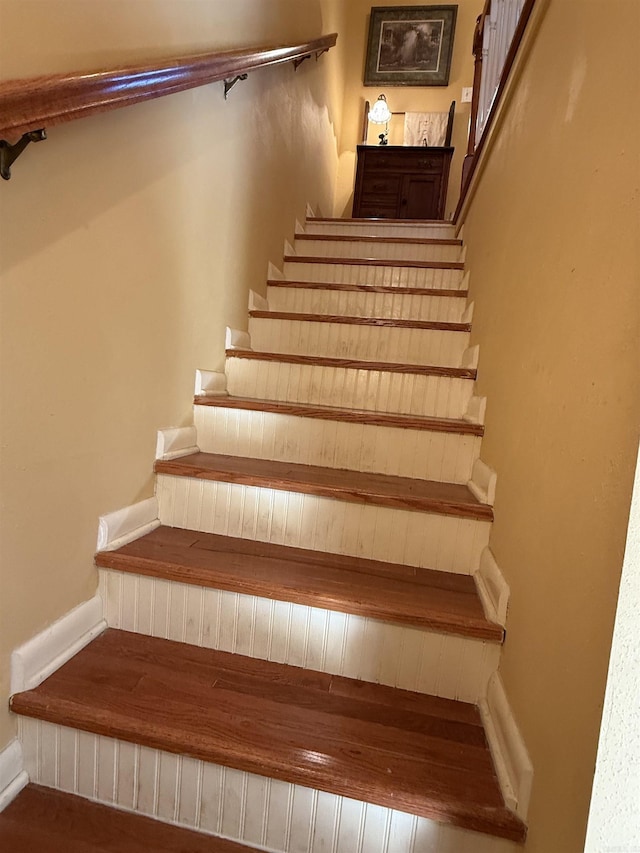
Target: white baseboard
{"points": [[470, 358], [257, 302], [176, 441], [288, 249], [299, 228], [236, 339], [483, 482], [476, 410], [124, 525], [492, 588], [13, 776], [39, 657], [467, 317], [273, 273], [510, 756], [310, 213], [210, 383]]}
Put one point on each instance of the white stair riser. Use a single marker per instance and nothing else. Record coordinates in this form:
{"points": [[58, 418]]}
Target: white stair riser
{"points": [[429, 540], [391, 306], [373, 249], [431, 231], [421, 454], [372, 390], [367, 343], [267, 813], [380, 276], [298, 635]]}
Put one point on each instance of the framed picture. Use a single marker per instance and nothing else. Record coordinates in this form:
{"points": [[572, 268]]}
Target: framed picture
{"points": [[410, 45]]}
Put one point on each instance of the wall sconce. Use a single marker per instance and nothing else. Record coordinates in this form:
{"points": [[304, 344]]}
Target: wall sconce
{"points": [[381, 114]]}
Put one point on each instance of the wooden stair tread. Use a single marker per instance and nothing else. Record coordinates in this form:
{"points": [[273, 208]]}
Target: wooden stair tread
{"points": [[366, 238], [354, 486], [353, 364], [419, 597], [42, 820], [380, 220], [427, 325], [374, 262], [292, 724], [329, 413], [369, 288]]}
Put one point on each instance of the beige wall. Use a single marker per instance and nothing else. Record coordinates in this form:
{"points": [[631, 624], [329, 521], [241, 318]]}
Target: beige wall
{"points": [[403, 98], [553, 252], [128, 242]]}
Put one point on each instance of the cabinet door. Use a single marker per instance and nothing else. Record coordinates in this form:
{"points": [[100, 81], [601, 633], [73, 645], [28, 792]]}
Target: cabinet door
{"points": [[420, 197]]}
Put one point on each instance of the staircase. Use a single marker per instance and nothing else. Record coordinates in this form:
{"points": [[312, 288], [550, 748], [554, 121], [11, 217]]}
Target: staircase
{"points": [[298, 647]]}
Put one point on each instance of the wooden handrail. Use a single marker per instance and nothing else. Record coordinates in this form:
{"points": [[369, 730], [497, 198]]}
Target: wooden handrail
{"points": [[30, 105], [471, 160]]}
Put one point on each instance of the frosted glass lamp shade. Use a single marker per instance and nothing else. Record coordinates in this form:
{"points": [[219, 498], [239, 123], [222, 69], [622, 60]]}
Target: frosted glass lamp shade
{"points": [[380, 112]]}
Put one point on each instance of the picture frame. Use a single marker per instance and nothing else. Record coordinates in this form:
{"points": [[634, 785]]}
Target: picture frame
{"points": [[410, 45]]}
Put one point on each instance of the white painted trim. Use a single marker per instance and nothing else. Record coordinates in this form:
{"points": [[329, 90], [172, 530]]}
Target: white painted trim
{"points": [[210, 383], [274, 273], [470, 357], [288, 248], [483, 482], [476, 410], [257, 302], [492, 588], [299, 227], [464, 284], [174, 442], [463, 254], [13, 776], [510, 756], [124, 525], [467, 317], [43, 654], [310, 212], [236, 339]]}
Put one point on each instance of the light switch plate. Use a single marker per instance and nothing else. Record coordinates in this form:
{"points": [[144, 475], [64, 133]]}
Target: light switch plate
{"points": [[467, 94]]}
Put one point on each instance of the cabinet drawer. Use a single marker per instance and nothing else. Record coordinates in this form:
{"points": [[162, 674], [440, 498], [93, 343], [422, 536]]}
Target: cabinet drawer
{"points": [[380, 184], [412, 159]]}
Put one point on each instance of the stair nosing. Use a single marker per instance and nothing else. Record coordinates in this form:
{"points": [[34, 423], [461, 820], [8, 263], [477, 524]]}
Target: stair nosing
{"points": [[316, 480], [353, 320], [302, 585], [356, 416], [380, 220], [444, 293], [212, 731], [378, 238], [354, 364], [375, 262]]}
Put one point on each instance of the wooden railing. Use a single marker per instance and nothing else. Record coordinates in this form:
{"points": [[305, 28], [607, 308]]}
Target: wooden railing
{"points": [[498, 34], [28, 107]]}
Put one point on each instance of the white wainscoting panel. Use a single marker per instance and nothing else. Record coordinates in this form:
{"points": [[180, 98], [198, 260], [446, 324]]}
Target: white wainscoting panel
{"points": [[265, 813], [446, 457], [429, 540], [359, 303], [372, 390], [384, 276], [295, 634], [438, 347]]}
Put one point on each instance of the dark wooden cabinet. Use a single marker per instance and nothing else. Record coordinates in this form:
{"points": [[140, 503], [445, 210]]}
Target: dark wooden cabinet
{"points": [[399, 182]]}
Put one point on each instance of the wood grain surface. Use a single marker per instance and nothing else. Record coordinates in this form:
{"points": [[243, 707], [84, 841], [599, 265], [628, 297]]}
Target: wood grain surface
{"points": [[358, 416], [353, 486], [423, 598], [375, 262], [426, 325], [48, 100], [353, 364], [368, 288], [411, 752]]}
